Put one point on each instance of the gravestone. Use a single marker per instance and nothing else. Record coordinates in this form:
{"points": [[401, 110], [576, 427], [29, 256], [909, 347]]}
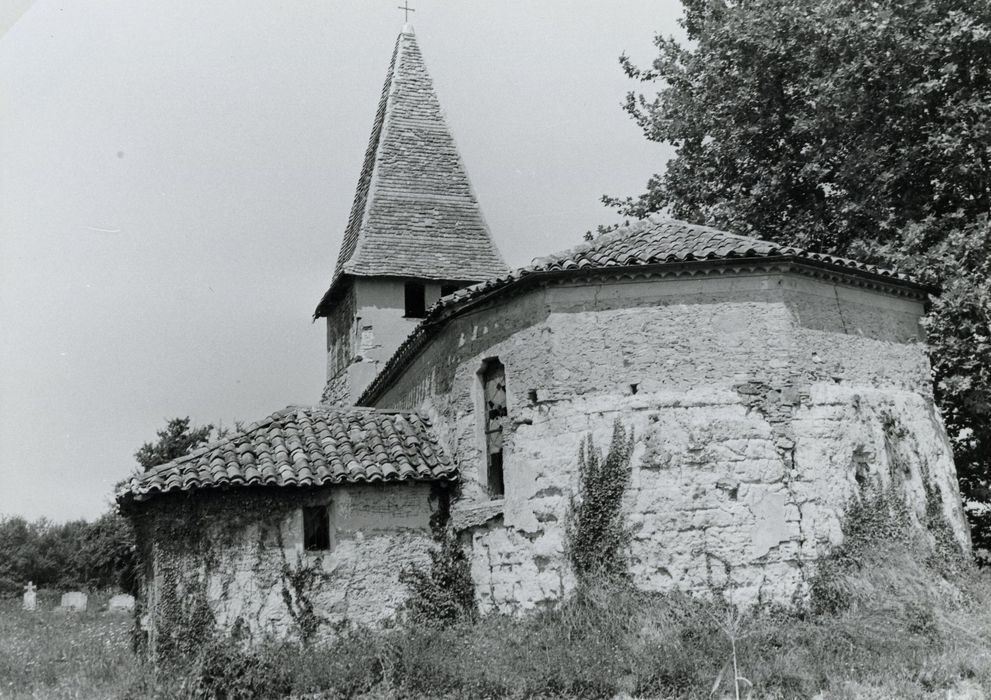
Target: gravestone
{"points": [[121, 603], [30, 597], [74, 601]]}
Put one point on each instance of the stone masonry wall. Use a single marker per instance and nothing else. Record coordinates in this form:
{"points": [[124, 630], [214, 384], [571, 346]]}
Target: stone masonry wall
{"points": [[237, 551], [340, 350], [761, 405]]}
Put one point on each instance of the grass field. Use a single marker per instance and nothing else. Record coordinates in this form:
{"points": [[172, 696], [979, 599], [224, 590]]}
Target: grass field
{"points": [[901, 632], [53, 654]]}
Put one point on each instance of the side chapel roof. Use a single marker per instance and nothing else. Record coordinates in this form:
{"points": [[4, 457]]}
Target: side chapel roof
{"points": [[305, 446], [651, 242], [415, 213]]}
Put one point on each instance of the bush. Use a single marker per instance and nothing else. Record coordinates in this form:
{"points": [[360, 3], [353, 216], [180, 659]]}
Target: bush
{"points": [[223, 670], [444, 593]]}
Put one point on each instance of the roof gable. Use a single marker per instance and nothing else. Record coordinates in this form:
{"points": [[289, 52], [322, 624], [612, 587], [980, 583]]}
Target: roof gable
{"points": [[312, 446], [415, 213]]}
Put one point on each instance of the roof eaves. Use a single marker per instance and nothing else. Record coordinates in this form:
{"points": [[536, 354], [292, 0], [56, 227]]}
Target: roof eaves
{"points": [[463, 301], [142, 486]]}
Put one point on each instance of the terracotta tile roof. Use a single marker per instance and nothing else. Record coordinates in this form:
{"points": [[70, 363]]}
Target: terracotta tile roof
{"points": [[414, 213], [311, 446], [656, 241], [653, 241]]}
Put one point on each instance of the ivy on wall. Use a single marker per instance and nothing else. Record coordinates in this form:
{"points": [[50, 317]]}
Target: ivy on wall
{"points": [[190, 546], [595, 534], [298, 585]]}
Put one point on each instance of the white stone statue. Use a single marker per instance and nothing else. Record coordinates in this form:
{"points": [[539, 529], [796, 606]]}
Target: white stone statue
{"points": [[30, 596]]}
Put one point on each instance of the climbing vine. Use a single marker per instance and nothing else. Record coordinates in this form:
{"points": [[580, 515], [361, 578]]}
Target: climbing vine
{"points": [[596, 536], [298, 584], [195, 543], [444, 592]]}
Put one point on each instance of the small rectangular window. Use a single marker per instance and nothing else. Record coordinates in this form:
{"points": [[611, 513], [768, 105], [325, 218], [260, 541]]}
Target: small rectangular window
{"points": [[493, 376], [416, 300], [316, 528]]}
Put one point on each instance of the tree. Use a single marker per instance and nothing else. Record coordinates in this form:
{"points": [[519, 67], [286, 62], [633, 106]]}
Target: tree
{"points": [[176, 440], [847, 127], [75, 554]]}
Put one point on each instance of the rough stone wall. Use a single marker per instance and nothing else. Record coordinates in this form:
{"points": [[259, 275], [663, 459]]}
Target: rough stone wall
{"points": [[340, 350], [238, 551], [761, 405]]}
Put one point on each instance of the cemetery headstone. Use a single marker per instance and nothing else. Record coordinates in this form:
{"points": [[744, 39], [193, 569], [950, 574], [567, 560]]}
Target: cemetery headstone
{"points": [[30, 596], [75, 601], [121, 603]]}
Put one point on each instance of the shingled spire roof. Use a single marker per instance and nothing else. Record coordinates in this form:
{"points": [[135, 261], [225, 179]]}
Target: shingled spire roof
{"points": [[414, 212]]}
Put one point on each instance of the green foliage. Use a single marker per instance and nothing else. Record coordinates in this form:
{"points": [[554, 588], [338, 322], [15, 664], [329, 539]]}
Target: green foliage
{"points": [[176, 440], [852, 128], [224, 669], [877, 516], [46, 653], [612, 641], [185, 623], [199, 539], [822, 123], [958, 330], [596, 537], [76, 554], [445, 593], [879, 541], [603, 229], [298, 584]]}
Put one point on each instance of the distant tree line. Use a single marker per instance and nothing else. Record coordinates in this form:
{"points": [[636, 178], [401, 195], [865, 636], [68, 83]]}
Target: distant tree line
{"points": [[81, 554], [76, 554]]}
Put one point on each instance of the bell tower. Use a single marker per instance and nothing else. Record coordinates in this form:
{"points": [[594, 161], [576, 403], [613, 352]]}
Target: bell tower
{"points": [[415, 232]]}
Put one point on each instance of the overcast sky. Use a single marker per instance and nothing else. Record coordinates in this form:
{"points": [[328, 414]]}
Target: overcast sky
{"points": [[175, 178]]}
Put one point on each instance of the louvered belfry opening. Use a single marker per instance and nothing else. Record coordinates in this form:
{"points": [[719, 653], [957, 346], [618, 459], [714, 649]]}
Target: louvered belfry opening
{"points": [[415, 300], [494, 396]]}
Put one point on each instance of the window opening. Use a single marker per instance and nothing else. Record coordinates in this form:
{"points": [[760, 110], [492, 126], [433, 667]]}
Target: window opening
{"points": [[316, 528], [494, 395], [416, 300]]}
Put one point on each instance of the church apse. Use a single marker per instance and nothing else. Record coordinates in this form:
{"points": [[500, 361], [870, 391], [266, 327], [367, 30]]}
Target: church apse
{"points": [[762, 398]]}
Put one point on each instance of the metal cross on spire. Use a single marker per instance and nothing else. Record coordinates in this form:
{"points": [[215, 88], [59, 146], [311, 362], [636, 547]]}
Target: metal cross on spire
{"points": [[407, 9]]}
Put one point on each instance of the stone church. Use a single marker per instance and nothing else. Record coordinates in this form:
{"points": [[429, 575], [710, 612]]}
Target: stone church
{"points": [[766, 387]]}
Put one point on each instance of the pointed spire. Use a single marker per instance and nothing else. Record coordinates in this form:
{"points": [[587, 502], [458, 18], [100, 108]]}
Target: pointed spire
{"points": [[414, 212]]}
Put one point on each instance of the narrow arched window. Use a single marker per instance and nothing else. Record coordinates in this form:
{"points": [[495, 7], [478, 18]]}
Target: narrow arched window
{"points": [[493, 376]]}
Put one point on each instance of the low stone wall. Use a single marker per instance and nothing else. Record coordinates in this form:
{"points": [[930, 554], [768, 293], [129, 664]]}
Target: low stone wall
{"points": [[236, 560]]}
